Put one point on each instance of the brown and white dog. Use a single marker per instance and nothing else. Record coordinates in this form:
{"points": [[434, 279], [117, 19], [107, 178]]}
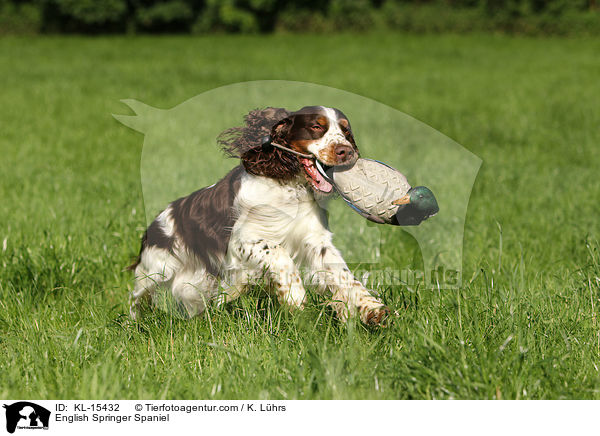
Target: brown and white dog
{"points": [[262, 221]]}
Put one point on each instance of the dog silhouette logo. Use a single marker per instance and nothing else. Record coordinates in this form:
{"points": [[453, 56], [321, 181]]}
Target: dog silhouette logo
{"points": [[26, 415], [180, 144]]}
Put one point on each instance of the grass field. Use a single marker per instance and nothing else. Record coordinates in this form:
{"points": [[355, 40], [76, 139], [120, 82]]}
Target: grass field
{"points": [[524, 325]]}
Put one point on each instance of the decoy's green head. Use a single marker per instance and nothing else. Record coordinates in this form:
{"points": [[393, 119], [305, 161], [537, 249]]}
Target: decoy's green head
{"points": [[416, 206]]}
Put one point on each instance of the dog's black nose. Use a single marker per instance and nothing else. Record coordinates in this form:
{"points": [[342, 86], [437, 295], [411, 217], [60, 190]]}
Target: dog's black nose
{"points": [[343, 153]]}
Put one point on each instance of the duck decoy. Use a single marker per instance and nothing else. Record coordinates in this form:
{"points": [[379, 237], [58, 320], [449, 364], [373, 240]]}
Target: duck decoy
{"points": [[381, 193]]}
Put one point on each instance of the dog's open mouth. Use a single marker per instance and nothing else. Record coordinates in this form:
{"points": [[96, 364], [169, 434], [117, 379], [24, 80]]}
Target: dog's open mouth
{"points": [[314, 176]]}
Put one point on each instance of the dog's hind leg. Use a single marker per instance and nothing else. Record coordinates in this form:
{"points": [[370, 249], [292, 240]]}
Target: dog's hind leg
{"points": [[193, 291], [145, 285], [156, 267]]}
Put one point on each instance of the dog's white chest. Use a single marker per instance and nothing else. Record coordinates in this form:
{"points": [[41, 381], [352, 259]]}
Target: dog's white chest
{"points": [[280, 213]]}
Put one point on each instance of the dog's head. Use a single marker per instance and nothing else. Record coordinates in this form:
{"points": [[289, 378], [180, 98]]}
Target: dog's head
{"points": [[321, 132]]}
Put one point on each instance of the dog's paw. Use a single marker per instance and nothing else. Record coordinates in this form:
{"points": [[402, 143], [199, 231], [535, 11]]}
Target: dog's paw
{"points": [[377, 317]]}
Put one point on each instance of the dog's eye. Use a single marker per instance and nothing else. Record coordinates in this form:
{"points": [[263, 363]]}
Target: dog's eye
{"points": [[316, 127]]}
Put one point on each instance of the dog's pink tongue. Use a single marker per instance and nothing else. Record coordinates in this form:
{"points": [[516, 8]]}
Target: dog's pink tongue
{"points": [[318, 181], [323, 184]]}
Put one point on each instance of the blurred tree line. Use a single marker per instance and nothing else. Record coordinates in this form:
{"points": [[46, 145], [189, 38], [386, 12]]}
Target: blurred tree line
{"points": [[262, 16]]}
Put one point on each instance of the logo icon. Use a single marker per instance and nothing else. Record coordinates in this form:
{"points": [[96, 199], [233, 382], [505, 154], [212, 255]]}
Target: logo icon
{"points": [[26, 415], [180, 144]]}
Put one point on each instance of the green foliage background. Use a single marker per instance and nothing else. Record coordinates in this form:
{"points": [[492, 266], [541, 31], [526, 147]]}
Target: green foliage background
{"points": [[260, 16]]}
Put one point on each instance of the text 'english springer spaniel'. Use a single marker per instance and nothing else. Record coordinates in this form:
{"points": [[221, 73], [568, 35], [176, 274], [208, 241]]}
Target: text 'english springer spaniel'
{"points": [[261, 222]]}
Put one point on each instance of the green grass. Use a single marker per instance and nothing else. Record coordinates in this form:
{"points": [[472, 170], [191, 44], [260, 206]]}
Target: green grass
{"points": [[525, 323]]}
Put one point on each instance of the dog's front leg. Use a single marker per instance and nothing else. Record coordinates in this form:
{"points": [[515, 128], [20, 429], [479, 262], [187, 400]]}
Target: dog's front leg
{"points": [[349, 296], [258, 256]]}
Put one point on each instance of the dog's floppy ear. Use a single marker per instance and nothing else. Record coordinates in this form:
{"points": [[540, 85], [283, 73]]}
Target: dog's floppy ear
{"points": [[262, 158], [280, 130], [258, 124]]}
